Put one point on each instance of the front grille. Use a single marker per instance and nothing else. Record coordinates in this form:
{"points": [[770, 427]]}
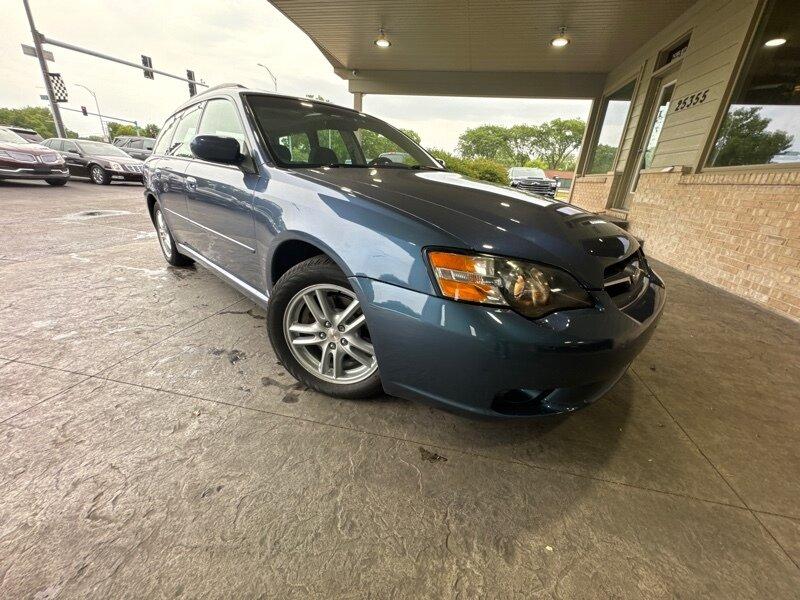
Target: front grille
{"points": [[537, 187], [21, 156], [133, 168], [626, 280]]}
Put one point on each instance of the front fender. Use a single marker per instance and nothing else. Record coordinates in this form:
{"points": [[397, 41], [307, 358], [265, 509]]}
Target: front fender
{"points": [[363, 236]]}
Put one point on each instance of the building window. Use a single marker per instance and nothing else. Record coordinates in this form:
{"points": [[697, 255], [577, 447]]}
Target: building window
{"points": [[762, 125], [615, 116]]}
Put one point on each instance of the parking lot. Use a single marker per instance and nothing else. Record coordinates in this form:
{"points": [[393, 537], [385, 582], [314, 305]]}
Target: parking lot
{"points": [[152, 446]]}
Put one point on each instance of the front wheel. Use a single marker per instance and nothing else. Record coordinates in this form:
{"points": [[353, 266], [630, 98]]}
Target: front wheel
{"points": [[319, 331], [99, 175]]}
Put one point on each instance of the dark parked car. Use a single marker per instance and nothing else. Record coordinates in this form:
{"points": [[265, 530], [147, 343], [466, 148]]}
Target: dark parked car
{"points": [[28, 135], [399, 277], [98, 161], [21, 159], [532, 179], [137, 147]]}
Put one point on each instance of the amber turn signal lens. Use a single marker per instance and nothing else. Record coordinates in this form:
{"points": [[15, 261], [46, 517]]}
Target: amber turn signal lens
{"points": [[462, 277]]}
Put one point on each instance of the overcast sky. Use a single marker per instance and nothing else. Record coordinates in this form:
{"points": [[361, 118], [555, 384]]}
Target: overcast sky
{"points": [[221, 44]]}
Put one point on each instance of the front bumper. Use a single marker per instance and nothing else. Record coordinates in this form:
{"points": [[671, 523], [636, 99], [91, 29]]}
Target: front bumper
{"points": [[493, 362], [30, 173], [126, 176]]}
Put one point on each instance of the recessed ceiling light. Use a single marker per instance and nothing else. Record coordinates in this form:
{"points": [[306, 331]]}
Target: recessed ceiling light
{"points": [[382, 42], [562, 39], [775, 42]]}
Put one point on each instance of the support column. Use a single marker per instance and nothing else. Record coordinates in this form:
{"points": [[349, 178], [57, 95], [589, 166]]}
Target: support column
{"points": [[358, 101]]}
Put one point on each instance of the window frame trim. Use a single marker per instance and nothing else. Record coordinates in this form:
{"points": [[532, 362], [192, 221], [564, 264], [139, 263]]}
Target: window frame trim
{"points": [[601, 115], [759, 14]]}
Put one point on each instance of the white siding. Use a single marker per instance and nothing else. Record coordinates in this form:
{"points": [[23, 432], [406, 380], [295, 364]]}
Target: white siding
{"points": [[718, 31]]}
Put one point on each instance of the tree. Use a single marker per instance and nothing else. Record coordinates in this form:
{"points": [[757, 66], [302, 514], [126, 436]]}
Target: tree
{"points": [[37, 118], [486, 141], [603, 158], [555, 141], [744, 140], [151, 130], [117, 129], [412, 135], [374, 144]]}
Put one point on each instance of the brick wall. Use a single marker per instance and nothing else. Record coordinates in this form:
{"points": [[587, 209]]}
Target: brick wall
{"points": [[737, 230], [592, 191]]}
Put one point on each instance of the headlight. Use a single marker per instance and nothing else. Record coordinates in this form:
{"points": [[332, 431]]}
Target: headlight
{"points": [[115, 166], [530, 289]]}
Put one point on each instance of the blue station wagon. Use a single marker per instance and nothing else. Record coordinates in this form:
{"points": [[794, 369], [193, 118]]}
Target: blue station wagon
{"points": [[381, 270]]}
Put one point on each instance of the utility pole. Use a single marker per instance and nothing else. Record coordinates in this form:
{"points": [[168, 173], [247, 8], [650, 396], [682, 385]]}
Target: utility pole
{"points": [[37, 43], [106, 134]]}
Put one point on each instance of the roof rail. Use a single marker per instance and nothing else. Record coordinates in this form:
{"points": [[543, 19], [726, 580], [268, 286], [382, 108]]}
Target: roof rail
{"points": [[221, 85]]}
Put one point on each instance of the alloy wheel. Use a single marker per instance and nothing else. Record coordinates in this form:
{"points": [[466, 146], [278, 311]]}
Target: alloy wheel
{"points": [[97, 174], [163, 235], [326, 332]]}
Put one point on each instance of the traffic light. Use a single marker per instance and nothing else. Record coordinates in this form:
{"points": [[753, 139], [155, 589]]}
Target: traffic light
{"points": [[84, 111], [192, 84], [148, 63]]}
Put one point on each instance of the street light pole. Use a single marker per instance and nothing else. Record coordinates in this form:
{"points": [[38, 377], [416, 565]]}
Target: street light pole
{"points": [[274, 81], [37, 43], [99, 114]]}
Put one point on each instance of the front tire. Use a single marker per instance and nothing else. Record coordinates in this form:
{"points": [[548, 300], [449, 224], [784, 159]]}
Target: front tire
{"points": [[319, 332], [99, 175], [167, 242]]}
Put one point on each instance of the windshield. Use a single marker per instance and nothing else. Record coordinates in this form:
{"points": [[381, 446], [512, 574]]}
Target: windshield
{"points": [[527, 172], [6, 135], [101, 149], [310, 134]]}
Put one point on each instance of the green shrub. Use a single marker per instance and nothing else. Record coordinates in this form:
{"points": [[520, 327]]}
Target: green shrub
{"points": [[477, 168]]}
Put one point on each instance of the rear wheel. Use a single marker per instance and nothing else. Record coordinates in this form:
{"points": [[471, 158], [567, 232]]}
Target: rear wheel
{"points": [[56, 181], [320, 333], [167, 242], [99, 175]]}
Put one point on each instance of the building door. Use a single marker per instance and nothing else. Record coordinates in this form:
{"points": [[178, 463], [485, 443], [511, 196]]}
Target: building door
{"points": [[649, 142]]}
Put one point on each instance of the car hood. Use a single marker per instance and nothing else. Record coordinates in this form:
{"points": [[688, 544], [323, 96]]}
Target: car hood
{"points": [[34, 149], [493, 218], [123, 160]]}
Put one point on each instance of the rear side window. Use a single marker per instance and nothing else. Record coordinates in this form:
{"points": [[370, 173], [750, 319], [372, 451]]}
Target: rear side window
{"points": [[185, 132], [165, 139], [220, 118], [137, 144]]}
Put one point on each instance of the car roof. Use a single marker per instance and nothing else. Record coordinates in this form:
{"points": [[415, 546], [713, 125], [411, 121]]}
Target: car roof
{"points": [[231, 89]]}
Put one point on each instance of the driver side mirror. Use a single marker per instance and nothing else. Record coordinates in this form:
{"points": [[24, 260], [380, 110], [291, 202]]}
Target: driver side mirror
{"points": [[441, 162], [216, 148]]}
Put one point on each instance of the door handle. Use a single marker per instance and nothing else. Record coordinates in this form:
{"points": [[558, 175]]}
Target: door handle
{"points": [[191, 183]]}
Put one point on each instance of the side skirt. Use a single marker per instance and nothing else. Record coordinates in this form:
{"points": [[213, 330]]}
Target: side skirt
{"points": [[260, 298]]}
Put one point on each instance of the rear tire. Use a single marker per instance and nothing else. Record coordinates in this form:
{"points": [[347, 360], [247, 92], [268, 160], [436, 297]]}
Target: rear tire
{"points": [[167, 242], [56, 182], [99, 175], [331, 351]]}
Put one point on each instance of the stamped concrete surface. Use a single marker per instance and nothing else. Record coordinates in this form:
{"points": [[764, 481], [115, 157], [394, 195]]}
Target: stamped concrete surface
{"points": [[152, 446]]}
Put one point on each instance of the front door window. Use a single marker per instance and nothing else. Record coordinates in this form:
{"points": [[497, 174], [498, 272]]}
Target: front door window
{"points": [[651, 141]]}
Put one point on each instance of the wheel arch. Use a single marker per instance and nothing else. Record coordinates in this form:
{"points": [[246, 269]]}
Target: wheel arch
{"points": [[151, 206], [292, 248]]}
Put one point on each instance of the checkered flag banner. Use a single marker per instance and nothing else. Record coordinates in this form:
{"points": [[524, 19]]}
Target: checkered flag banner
{"points": [[59, 89]]}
